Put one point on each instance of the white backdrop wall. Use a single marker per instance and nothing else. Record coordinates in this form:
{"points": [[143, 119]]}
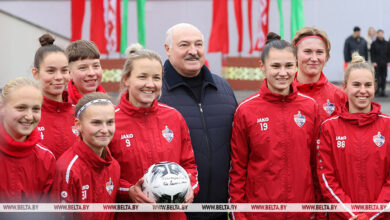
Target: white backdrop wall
{"points": [[18, 42]]}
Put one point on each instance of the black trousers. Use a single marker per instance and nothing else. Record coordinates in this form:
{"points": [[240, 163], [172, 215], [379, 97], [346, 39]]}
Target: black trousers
{"points": [[380, 75]]}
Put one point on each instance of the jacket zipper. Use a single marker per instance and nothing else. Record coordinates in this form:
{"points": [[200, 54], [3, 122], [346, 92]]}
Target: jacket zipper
{"points": [[286, 154], [208, 147]]}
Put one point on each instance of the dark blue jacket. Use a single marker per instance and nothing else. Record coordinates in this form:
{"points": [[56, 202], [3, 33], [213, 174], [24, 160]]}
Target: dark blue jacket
{"points": [[355, 44], [210, 123]]}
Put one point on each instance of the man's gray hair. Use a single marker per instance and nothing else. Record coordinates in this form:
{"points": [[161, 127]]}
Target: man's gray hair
{"points": [[168, 34]]}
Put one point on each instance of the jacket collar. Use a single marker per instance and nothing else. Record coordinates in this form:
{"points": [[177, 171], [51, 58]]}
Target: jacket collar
{"points": [[15, 148], [274, 97], [54, 106], [174, 79], [126, 106], [90, 157], [75, 95], [311, 86], [360, 119], [380, 41]]}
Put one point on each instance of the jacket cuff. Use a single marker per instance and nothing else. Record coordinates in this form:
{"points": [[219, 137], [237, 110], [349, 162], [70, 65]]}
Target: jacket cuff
{"points": [[123, 191]]}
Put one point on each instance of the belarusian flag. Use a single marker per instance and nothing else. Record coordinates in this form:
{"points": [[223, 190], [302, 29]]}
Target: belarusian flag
{"points": [[105, 28], [239, 23], [77, 14], [141, 22], [106, 25], [281, 19], [219, 36], [124, 27], [262, 25], [297, 16], [250, 26]]}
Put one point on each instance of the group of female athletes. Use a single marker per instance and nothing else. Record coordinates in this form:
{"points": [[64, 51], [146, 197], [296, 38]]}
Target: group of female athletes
{"points": [[300, 139], [74, 146]]}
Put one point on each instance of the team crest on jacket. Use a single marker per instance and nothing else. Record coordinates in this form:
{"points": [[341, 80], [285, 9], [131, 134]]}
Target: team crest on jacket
{"points": [[109, 186], [75, 131], [328, 107], [167, 134], [379, 139], [299, 119]]}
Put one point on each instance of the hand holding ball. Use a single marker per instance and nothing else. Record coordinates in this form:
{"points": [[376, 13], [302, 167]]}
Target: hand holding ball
{"points": [[166, 182]]}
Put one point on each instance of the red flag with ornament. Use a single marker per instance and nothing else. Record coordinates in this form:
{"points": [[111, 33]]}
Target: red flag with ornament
{"points": [[262, 25], [105, 27]]}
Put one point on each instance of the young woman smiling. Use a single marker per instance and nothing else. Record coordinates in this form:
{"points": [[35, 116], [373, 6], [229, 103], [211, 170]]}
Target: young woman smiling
{"points": [[148, 132], [86, 172], [273, 139], [56, 128], [353, 150], [85, 69], [313, 51], [27, 168]]}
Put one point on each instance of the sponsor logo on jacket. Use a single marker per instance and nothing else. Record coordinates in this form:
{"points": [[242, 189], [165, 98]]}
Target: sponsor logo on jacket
{"points": [[341, 138], [109, 186], [328, 107], [263, 123], [259, 120], [167, 134], [299, 119], [379, 139], [41, 129], [127, 138]]}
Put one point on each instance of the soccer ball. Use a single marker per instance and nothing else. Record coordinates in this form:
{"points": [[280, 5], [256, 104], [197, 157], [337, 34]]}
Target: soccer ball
{"points": [[166, 182]]}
